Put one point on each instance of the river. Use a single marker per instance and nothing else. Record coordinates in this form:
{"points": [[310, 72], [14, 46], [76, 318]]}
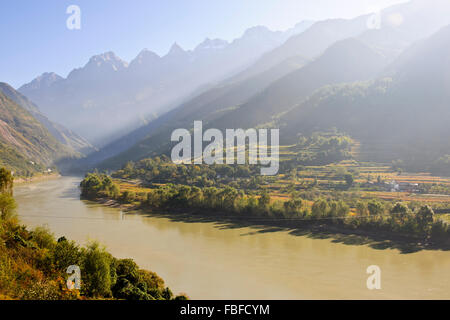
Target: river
{"points": [[218, 261]]}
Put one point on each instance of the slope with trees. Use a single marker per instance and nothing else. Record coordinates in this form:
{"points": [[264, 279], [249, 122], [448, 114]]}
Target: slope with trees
{"points": [[26, 143], [65, 136]]}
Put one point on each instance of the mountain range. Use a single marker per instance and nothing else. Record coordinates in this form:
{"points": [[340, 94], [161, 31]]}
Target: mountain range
{"points": [[343, 51], [108, 96], [373, 77]]}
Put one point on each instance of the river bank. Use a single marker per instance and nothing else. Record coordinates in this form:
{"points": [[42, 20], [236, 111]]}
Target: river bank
{"points": [[36, 178]]}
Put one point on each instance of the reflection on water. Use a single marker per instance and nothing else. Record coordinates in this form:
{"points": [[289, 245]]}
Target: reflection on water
{"points": [[219, 261]]}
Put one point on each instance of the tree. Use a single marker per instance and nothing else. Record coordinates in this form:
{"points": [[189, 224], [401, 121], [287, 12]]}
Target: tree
{"points": [[400, 209], [293, 205], [375, 208], [425, 217], [264, 201], [349, 180], [96, 271], [128, 269], [319, 208], [6, 181], [361, 208], [44, 238], [65, 254], [8, 206]]}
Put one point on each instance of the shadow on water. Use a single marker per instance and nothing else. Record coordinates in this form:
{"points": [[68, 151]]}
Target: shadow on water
{"points": [[342, 236]]}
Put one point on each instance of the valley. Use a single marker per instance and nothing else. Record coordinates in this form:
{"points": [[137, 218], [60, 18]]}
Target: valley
{"points": [[275, 164]]}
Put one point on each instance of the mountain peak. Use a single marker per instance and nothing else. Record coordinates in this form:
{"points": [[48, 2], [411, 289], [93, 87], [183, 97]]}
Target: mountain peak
{"points": [[108, 58], [45, 80], [147, 53], [212, 44], [145, 57], [176, 49], [256, 31]]}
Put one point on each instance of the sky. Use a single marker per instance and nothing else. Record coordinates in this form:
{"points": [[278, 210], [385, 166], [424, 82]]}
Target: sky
{"points": [[35, 38]]}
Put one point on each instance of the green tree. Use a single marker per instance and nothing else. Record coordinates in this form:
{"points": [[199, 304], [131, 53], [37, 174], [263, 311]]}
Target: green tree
{"points": [[361, 208], [65, 254], [425, 217], [349, 180], [96, 271], [264, 201], [375, 208], [6, 181], [319, 208], [400, 210], [44, 238], [128, 269], [8, 206]]}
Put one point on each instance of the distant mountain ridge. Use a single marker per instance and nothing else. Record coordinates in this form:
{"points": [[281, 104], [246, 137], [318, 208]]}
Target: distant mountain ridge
{"points": [[109, 94], [347, 60]]}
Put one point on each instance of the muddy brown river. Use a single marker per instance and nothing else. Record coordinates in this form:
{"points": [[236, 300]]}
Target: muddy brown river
{"points": [[218, 261]]}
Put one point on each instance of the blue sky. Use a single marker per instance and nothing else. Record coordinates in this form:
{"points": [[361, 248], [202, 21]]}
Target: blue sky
{"points": [[35, 38]]}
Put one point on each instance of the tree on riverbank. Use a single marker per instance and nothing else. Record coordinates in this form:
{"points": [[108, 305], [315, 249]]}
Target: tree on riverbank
{"points": [[370, 216], [7, 203]]}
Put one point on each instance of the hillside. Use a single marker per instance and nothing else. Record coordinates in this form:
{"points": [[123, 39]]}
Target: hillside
{"points": [[27, 146], [345, 61], [65, 136]]}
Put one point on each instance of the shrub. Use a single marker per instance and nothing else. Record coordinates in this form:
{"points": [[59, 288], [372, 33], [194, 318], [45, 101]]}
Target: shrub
{"points": [[43, 238], [96, 273]]}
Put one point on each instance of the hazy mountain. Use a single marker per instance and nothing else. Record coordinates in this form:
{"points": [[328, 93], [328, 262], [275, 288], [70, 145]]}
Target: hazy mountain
{"points": [[345, 61], [42, 82], [390, 32], [403, 116], [209, 105], [62, 134], [241, 106], [309, 44], [25, 144], [108, 95], [397, 27]]}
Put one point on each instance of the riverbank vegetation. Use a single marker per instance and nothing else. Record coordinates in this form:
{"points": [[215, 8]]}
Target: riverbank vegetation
{"points": [[236, 192], [33, 264]]}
